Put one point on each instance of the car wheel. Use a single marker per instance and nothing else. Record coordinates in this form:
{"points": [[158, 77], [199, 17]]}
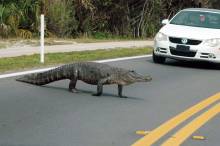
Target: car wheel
{"points": [[158, 59]]}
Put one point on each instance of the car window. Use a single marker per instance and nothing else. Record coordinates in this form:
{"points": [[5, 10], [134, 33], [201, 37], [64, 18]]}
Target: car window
{"points": [[197, 19]]}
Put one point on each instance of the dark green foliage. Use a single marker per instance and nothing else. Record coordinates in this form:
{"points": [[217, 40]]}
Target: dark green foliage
{"points": [[19, 18], [96, 18], [60, 18], [215, 4]]}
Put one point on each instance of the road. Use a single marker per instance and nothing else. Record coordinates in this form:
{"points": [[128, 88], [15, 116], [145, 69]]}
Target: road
{"points": [[29, 50], [50, 116]]}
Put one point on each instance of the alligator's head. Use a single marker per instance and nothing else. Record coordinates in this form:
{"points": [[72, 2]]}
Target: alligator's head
{"points": [[132, 77]]}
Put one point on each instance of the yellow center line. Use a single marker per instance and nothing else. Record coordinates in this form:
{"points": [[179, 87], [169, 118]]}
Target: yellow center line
{"points": [[157, 133], [186, 131]]}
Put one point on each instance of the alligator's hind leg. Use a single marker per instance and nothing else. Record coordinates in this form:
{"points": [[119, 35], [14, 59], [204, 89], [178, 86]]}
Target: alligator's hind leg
{"points": [[73, 80], [72, 85]]}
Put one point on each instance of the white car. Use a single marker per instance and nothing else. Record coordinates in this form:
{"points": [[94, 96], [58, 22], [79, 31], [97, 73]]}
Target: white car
{"points": [[192, 34]]}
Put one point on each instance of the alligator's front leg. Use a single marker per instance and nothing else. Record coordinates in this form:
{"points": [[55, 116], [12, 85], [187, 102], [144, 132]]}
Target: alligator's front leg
{"points": [[72, 86], [120, 87], [100, 87]]}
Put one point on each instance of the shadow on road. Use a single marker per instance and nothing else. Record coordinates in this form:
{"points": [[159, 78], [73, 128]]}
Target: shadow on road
{"points": [[89, 93]]}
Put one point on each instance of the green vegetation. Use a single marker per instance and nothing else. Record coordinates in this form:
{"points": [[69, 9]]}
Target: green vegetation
{"points": [[2, 45], [25, 62], [19, 18], [99, 19]]}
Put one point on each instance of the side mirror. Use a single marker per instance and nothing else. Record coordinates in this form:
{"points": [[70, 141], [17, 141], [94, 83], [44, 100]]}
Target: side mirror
{"points": [[165, 21]]}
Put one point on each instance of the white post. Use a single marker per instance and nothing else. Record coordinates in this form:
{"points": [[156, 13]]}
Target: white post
{"points": [[42, 38]]}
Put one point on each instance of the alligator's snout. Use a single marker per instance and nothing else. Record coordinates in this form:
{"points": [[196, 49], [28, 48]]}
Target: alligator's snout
{"points": [[148, 78], [132, 77], [142, 78]]}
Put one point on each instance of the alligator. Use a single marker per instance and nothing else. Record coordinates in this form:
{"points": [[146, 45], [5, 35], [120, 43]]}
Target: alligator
{"points": [[89, 72]]}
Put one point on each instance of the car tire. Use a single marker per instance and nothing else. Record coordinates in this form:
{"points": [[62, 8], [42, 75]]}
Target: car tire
{"points": [[158, 59]]}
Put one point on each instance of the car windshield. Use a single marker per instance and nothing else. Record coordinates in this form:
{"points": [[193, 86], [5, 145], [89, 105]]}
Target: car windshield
{"points": [[197, 19]]}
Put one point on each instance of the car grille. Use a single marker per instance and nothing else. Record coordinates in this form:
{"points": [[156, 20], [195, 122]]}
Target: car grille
{"points": [[182, 53], [179, 41]]}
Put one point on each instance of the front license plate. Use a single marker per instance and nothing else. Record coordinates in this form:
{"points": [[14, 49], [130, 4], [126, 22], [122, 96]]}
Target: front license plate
{"points": [[182, 48]]}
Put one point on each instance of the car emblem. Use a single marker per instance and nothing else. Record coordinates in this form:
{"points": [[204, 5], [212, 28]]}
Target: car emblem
{"points": [[184, 40]]}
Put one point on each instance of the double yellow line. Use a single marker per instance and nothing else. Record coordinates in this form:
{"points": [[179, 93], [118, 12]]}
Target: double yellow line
{"points": [[186, 131]]}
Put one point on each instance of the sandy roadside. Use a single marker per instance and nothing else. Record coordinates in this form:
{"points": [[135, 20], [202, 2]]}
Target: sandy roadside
{"points": [[29, 50]]}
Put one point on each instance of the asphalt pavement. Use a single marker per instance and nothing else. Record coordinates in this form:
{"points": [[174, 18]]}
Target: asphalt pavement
{"points": [[51, 116]]}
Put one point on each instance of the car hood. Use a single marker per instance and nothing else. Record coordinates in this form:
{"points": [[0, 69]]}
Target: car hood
{"points": [[190, 32]]}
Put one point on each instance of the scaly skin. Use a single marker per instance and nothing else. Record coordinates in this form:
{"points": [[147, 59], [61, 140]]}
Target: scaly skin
{"points": [[89, 72]]}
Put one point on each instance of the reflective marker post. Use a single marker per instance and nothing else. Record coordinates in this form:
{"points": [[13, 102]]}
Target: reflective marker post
{"points": [[42, 38]]}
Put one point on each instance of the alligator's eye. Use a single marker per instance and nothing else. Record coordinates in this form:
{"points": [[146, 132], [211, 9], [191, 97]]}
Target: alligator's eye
{"points": [[131, 70]]}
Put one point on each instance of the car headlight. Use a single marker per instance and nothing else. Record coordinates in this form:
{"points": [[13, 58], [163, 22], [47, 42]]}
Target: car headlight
{"points": [[212, 42], [161, 37]]}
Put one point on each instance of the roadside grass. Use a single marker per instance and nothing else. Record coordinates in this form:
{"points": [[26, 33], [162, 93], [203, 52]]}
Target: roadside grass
{"points": [[21, 63], [2, 45]]}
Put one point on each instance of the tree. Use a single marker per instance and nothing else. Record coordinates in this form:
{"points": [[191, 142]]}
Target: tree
{"points": [[72, 18]]}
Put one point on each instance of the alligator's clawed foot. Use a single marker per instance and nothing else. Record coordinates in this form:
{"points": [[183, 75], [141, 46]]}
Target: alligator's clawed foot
{"points": [[123, 96], [74, 90]]}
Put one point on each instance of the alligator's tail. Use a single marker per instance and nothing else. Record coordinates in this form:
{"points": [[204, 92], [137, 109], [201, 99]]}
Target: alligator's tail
{"points": [[44, 77]]}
